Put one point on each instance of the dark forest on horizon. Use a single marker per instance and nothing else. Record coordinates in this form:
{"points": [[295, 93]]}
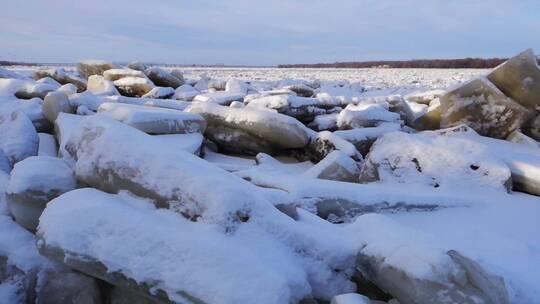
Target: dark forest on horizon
{"points": [[465, 63]]}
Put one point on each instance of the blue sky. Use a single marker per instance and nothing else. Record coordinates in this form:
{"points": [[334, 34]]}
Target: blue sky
{"points": [[264, 32]]}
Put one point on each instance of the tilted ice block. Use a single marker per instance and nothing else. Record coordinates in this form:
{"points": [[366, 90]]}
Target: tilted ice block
{"points": [[133, 86], [154, 120], [519, 79], [482, 106], [162, 78], [94, 67], [251, 130], [33, 183]]}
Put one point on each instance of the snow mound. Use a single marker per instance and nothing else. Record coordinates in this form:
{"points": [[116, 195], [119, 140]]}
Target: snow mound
{"points": [[439, 161]]}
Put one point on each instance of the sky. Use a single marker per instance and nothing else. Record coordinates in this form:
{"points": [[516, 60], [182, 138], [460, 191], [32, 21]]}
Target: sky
{"points": [[243, 32]]}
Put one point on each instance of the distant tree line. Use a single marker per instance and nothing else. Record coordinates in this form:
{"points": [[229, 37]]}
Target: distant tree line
{"points": [[7, 63], [465, 63]]}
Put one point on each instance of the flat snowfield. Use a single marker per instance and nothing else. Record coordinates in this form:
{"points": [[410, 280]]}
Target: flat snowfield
{"points": [[376, 77], [373, 78]]}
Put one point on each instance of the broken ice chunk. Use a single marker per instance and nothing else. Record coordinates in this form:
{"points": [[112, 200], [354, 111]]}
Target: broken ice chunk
{"points": [[519, 79], [483, 107]]}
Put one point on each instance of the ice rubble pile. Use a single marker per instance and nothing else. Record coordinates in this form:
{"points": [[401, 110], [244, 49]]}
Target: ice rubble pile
{"points": [[138, 185]]}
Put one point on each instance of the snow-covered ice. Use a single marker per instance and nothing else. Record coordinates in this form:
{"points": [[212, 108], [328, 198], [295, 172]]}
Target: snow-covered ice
{"points": [[265, 185]]}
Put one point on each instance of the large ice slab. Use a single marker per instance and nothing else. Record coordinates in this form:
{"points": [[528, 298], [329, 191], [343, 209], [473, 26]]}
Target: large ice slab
{"points": [[154, 120], [483, 107], [519, 79], [195, 255], [417, 270], [251, 130]]}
